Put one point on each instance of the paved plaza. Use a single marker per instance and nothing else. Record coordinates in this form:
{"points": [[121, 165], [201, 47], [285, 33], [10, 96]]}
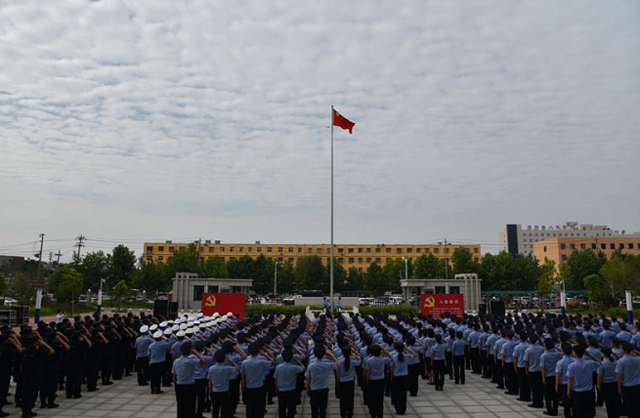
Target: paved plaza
{"points": [[476, 399]]}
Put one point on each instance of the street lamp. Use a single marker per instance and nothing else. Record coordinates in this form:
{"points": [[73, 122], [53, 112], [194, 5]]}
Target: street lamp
{"points": [[406, 268], [275, 278], [99, 307]]}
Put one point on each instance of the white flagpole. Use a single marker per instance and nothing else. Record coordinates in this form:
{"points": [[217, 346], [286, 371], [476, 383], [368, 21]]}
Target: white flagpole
{"points": [[331, 248]]}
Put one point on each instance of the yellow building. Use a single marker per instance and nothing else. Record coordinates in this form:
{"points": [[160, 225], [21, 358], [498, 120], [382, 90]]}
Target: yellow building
{"points": [[350, 255], [559, 249]]}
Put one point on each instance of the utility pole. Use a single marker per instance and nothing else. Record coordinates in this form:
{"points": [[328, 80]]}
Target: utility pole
{"points": [[446, 261], [40, 256], [50, 257], [38, 284], [275, 278], [58, 254], [80, 239]]}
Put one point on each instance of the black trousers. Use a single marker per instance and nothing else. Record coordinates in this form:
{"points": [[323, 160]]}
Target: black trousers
{"points": [[157, 370], [142, 365], [631, 397], [166, 375], [399, 394], [458, 368], [319, 400], [612, 399], [287, 404], [438, 371], [498, 374], [220, 405], [4, 389], [523, 384], [74, 381], [375, 397], [29, 393], [255, 402], [185, 398], [449, 364], [345, 390], [537, 390], [414, 376], [106, 369], [567, 402], [93, 371], [551, 397], [511, 378], [200, 390], [584, 404], [48, 387], [234, 395], [475, 360]]}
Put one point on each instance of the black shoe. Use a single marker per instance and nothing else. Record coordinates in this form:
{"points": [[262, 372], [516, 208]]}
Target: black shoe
{"points": [[77, 396], [107, 383], [93, 390], [3, 414], [550, 414], [43, 405], [532, 405], [52, 406]]}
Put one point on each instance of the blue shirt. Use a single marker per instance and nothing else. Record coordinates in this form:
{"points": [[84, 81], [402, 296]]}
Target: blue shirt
{"points": [[438, 351], [533, 355], [401, 368], [581, 371], [286, 376], [175, 348], [624, 336], [158, 351], [507, 351], [549, 361], [518, 353], [629, 367], [605, 337], [254, 369], [185, 369], [219, 374], [608, 371], [376, 366], [203, 368], [348, 375], [319, 372], [474, 339], [458, 347], [562, 366], [142, 346]]}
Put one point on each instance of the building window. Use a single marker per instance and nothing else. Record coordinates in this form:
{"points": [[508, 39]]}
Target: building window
{"points": [[593, 246], [544, 248], [250, 249], [476, 259], [309, 250], [340, 250], [360, 260], [378, 260], [368, 250], [149, 258], [197, 292], [161, 248], [563, 246], [418, 250], [149, 249], [232, 249], [172, 249], [290, 249], [291, 260], [183, 249], [299, 249], [409, 250], [446, 250], [160, 258], [210, 249], [319, 250], [341, 259], [475, 250], [387, 250], [368, 259], [603, 246], [436, 250], [231, 258], [169, 258], [350, 260], [612, 246], [259, 249], [631, 245], [269, 249], [350, 250], [399, 250], [426, 250], [221, 249], [583, 245], [621, 246], [573, 246], [388, 260], [280, 259], [377, 249], [280, 249], [359, 250]]}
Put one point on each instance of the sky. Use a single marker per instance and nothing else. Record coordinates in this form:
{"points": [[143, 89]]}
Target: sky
{"points": [[144, 120]]}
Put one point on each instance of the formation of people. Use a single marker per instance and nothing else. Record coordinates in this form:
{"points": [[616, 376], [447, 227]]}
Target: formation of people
{"points": [[576, 363]]}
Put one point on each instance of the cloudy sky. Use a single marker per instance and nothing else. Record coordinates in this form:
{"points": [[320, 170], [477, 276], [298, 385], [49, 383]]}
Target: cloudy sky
{"points": [[133, 120]]}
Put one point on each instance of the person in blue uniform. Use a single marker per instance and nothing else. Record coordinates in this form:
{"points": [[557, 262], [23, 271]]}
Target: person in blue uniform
{"points": [[348, 365], [608, 383], [532, 358], [157, 356], [400, 376], [375, 367], [218, 376], [562, 379], [549, 360], [286, 378], [202, 368], [317, 377], [460, 349], [438, 358], [628, 371], [183, 372], [142, 355], [253, 370], [580, 384]]}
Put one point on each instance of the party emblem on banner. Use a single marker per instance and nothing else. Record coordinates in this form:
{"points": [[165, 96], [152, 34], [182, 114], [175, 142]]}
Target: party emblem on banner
{"points": [[429, 302], [210, 301], [223, 303]]}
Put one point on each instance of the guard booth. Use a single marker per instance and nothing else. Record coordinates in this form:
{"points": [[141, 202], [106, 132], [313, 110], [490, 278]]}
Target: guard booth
{"points": [[188, 289]]}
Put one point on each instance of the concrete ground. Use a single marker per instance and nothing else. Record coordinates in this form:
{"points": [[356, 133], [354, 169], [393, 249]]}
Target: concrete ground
{"points": [[476, 399]]}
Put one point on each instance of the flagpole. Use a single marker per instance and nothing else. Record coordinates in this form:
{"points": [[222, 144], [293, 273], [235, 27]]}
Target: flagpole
{"points": [[331, 248]]}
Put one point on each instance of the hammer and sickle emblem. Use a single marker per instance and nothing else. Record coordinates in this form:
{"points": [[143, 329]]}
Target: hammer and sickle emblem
{"points": [[429, 302], [211, 301]]}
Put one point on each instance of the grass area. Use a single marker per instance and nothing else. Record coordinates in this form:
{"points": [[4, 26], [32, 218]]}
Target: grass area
{"points": [[619, 311], [50, 308]]}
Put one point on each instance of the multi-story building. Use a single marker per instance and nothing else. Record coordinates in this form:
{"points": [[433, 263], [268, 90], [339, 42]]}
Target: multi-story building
{"points": [[558, 249], [518, 240], [350, 255]]}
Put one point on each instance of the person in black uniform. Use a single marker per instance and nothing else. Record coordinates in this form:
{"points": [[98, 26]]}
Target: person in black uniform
{"points": [[33, 356], [94, 357], [52, 368], [10, 348], [76, 360]]}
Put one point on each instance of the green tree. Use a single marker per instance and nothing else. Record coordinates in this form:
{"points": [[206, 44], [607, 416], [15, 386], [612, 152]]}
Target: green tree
{"points": [[505, 272], [3, 285], [93, 267], [122, 264], [622, 272], [463, 261], [121, 291], [597, 292], [339, 277], [187, 260], [153, 278], [214, 267], [355, 280], [241, 268], [580, 264], [428, 266], [547, 277], [67, 284], [263, 269], [376, 282], [286, 278], [394, 271], [310, 273]]}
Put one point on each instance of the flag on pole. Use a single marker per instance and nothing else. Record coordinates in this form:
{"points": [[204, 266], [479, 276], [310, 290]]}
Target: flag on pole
{"points": [[342, 122]]}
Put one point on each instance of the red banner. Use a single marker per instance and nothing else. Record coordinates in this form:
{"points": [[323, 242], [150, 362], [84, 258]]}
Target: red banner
{"points": [[436, 304], [223, 303]]}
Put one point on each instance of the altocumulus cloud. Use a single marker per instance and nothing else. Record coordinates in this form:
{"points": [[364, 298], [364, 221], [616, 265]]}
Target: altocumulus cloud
{"points": [[198, 118]]}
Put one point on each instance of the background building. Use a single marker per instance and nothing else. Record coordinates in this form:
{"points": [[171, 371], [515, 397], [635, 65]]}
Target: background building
{"points": [[350, 255], [558, 249], [518, 240]]}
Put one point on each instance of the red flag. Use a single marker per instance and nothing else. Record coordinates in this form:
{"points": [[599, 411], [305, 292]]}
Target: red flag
{"points": [[223, 303], [341, 121]]}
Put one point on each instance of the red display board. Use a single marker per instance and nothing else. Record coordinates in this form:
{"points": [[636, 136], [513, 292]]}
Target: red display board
{"points": [[223, 303], [436, 304]]}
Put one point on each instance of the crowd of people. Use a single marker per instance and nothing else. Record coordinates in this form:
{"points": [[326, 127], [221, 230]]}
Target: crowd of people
{"points": [[214, 363]]}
